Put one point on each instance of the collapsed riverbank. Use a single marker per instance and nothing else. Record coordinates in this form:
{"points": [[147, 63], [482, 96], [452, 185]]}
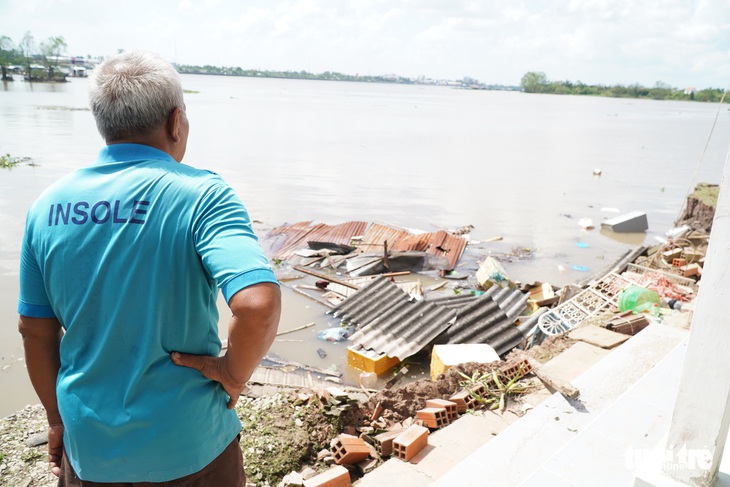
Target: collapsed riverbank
{"points": [[291, 431]]}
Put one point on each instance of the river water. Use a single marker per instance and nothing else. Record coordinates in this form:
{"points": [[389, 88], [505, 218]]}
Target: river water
{"points": [[513, 165]]}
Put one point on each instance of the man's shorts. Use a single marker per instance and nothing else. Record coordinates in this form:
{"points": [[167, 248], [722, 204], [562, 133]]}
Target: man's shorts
{"points": [[226, 470]]}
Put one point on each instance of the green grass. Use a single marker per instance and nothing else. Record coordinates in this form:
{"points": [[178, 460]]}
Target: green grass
{"points": [[706, 194]]}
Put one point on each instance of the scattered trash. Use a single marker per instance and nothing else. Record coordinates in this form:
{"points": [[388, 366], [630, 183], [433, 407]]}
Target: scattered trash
{"points": [[336, 334], [580, 268], [321, 353], [678, 232], [634, 222], [491, 272], [586, 224], [443, 357], [368, 379], [582, 245], [541, 293], [639, 300], [597, 172], [454, 276]]}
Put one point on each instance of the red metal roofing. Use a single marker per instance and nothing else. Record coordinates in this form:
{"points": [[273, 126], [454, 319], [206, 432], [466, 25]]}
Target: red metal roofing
{"points": [[289, 238]]}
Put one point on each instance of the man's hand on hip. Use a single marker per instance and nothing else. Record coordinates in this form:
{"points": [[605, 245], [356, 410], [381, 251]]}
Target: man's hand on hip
{"points": [[214, 368], [55, 447]]}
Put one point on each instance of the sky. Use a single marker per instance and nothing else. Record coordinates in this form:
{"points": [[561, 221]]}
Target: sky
{"points": [[682, 43]]}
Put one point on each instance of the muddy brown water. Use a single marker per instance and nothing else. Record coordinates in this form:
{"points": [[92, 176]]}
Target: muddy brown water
{"points": [[513, 165]]}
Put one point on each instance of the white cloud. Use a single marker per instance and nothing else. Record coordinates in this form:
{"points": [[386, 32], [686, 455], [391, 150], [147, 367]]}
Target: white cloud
{"points": [[682, 42]]}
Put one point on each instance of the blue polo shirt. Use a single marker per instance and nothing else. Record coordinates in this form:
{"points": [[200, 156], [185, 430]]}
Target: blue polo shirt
{"points": [[129, 254]]}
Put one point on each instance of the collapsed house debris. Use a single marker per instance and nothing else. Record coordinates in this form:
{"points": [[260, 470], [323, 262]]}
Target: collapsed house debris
{"points": [[396, 319], [366, 248]]}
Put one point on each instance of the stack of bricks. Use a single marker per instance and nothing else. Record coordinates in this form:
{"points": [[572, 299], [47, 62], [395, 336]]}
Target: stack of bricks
{"points": [[348, 450], [337, 476], [410, 442]]}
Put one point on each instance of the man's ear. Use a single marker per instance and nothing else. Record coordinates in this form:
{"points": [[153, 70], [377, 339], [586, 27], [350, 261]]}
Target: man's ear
{"points": [[173, 124]]}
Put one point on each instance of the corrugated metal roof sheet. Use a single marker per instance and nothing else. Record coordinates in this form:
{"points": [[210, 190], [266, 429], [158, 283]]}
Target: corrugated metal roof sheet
{"points": [[389, 321], [289, 238], [441, 243]]}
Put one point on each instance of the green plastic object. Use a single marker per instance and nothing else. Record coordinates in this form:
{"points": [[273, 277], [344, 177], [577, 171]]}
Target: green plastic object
{"points": [[639, 300]]}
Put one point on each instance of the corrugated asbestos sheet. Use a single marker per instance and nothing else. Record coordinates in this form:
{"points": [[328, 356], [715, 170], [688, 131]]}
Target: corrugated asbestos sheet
{"points": [[289, 238], [490, 319], [389, 321]]}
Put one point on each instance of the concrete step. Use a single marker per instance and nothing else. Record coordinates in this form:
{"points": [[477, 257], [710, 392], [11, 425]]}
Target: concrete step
{"points": [[623, 411]]}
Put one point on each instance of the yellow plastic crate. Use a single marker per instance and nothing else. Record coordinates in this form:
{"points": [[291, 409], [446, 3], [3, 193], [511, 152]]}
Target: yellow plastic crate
{"points": [[368, 362]]}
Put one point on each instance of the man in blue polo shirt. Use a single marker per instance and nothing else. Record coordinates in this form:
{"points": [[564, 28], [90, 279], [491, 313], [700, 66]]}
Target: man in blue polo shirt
{"points": [[120, 269]]}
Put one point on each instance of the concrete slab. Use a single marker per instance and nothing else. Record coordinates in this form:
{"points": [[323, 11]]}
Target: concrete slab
{"points": [[545, 478], [598, 336], [574, 361]]}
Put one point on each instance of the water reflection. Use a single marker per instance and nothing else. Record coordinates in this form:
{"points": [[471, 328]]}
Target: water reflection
{"points": [[633, 238]]}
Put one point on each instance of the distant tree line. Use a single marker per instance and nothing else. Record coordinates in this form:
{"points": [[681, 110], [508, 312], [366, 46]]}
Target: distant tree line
{"points": [[26, 53], [536, 82], [327, 75]]}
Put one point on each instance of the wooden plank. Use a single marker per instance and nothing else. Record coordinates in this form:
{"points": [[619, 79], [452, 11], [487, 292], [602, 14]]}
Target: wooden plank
{"points": [[324, 276]]}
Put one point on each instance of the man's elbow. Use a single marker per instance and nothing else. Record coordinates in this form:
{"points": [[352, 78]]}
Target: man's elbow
{"points": [[39, 328], [262, 300]]}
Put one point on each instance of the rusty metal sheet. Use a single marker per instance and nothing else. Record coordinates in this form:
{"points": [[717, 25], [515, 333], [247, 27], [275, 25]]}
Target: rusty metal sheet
{"points": [[285, 240], [441, 243]]}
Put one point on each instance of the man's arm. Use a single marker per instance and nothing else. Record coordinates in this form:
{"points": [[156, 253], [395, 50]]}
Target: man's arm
{"points": [[41, 341], [251, 332]]}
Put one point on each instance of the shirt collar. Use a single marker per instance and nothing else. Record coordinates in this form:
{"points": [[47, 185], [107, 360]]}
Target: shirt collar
{"points": [[131, 152]]}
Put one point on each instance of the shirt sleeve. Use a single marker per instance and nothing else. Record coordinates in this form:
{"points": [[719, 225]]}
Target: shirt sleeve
{"points": [[33, 300], [226, 243]]}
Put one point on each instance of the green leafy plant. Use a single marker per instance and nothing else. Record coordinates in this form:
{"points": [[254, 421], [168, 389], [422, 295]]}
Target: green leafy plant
{"points": [[492, 387]]}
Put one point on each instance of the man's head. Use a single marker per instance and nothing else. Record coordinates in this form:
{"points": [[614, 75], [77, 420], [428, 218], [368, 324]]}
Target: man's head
{"points": [[135, 95]]}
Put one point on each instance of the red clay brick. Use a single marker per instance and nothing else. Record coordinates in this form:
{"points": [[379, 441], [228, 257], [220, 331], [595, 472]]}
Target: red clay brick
{"points": [[410, 442], [465, 400], [450, 407], [518, 370], [433, 417], [677, 262], [349, 449], [384, 442], [337, 476], [690, 270]]}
